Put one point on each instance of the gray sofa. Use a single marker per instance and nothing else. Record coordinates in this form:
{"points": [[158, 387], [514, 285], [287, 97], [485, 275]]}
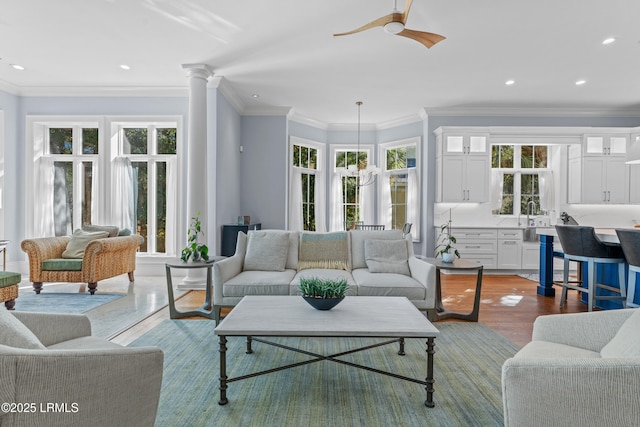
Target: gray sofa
{"points": [[374, 263], [54, 373], [580, 369]]}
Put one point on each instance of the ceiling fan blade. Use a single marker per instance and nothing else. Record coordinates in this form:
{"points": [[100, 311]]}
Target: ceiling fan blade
{"points": [[380, 22], [407, 8], [427, 39]]}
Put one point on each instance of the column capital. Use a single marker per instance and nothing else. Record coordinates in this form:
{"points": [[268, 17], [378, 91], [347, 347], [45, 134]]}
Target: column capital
{"points": [[202, 71]]}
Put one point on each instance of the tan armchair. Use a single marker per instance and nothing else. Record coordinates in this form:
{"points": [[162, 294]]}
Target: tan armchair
{"points": [[53, 372], [103, 258]]}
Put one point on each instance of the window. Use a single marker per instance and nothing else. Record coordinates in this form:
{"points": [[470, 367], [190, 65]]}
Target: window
{"points": [[519, 169], [77, 177], [399, 185], [306, 196], [72, 151], [151, 150], [348, 196]]}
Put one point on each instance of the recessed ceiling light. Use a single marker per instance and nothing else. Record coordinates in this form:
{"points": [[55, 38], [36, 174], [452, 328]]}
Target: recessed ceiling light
{"points": [[510, 82], [255, 95], [17, 67], [608, 40], [125, 67], [580, 82]]}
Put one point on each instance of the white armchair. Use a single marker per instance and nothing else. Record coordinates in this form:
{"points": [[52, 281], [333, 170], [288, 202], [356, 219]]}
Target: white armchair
{"points": [[580, 369], [54, 373]]}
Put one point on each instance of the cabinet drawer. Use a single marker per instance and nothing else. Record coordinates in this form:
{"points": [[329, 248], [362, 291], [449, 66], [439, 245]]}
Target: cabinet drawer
{"points": [[487, 261], [473, 246], [510, 234], [471, 233]]}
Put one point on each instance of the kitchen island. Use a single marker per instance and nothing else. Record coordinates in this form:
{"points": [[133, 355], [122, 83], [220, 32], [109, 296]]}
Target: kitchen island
{"points": [[607, 274]]}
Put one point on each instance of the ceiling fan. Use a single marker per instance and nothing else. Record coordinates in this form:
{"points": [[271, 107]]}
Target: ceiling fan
{"points": [[393, 23]]}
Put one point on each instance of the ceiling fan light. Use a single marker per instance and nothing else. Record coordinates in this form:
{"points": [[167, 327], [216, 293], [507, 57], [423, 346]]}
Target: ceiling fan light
{"points": [[394, 27]]}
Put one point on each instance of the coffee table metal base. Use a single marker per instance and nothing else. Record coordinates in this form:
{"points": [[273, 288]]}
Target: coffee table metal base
{"points": [[224, 380]]}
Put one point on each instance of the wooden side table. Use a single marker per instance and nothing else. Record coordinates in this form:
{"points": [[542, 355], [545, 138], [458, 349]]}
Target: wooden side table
{"points": [[206, 309], [457, 265]]}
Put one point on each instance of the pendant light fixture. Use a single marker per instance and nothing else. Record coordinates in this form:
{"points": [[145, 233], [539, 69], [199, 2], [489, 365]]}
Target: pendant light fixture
{"points": [[364, 175]]}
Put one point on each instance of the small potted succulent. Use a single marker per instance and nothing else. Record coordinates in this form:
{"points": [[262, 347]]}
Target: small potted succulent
{"points": [[195, 251], [323, 294]]}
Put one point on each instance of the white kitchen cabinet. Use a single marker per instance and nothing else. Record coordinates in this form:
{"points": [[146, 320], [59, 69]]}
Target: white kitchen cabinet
{"points": [[634, 183], [477, 245], [463, 167], [531, 255], [510, 249], [600, 175]]}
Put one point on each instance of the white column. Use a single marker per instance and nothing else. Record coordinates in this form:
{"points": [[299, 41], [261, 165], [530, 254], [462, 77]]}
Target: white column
{"points": [[198, 75]]}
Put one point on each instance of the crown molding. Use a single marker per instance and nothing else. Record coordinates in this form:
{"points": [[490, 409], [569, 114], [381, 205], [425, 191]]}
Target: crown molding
{"points": [[294, 116], [266, 111], [365, 127], [533, 111], [418, 117], [69, 91], [9, 88]]}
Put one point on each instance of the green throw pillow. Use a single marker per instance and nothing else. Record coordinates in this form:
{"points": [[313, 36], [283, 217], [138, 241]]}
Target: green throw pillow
{"points": [[79, 242]]}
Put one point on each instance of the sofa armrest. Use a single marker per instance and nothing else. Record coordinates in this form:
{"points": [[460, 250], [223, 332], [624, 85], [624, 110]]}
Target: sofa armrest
{"points": [[575, 387], [424, 273], [38, 250], [590, 331], [110, 257], [53, 328], [100, 387], [229, 267]]}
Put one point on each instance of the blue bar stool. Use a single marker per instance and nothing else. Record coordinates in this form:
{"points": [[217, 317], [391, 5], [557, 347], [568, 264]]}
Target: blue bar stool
{"points": [[580, 243], [630, 242]]}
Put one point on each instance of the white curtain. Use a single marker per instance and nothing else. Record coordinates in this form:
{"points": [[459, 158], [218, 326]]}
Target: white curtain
{"points": [[413, 203], [295, 200], [320, 198], [123, 186], [336, 222], [172, 208], [366, 204], [385, 202], [43, 199], [547, 194], [497, 182]]}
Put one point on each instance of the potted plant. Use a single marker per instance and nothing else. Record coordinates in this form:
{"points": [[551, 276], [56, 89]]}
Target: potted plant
{"points": [[323, 294], [195, 251], [444, 244]]}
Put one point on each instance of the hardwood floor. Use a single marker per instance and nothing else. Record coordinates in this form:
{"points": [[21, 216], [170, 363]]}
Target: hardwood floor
{"points": [[509, 305]]}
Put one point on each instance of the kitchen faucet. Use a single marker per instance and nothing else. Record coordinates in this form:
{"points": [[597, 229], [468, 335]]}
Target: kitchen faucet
{"points": [[531, 208]]}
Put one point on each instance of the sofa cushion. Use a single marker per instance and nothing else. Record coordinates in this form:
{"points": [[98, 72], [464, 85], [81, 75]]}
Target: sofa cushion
{"points": [[79, 241], [62, 264], [292, 255], [84, 343], [323, 273], [266, 250], [111, 229], [625, 343], [388, 284], [13, 333], [324, 250], [387, 256], [552, 350], [357, 238], [258, 283]]}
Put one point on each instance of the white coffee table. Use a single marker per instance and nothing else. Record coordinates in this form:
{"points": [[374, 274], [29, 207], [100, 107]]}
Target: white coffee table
{"points": [[291, 316]]}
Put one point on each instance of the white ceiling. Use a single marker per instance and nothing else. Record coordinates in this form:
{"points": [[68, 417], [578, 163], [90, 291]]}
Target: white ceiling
{"points": [[284, 51]]}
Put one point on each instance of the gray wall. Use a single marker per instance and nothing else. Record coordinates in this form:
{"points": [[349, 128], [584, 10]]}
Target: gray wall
{"points": [[263, 170]]}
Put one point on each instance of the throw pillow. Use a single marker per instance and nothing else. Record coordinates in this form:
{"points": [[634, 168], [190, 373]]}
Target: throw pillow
{"points": [[387, 256], [13, 333], [80, 240], [324, 250], [625, 343], [111, 229], [266, 250]]}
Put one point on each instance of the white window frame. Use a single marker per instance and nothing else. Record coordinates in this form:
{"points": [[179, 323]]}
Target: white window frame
{"points": [[317, 172], [517, 172], [382, 155], [367, 191]]}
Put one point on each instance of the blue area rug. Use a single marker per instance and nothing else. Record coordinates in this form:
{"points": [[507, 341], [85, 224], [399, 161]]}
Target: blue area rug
{"points": [[53, 302], [468, 362]]}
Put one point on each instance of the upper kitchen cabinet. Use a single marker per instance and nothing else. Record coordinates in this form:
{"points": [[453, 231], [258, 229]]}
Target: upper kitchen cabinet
{"points": [[597, 172], [462, 165], [634, 174]]}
